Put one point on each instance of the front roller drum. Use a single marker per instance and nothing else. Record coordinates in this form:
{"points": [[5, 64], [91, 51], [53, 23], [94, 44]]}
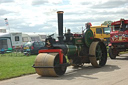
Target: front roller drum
{"points": [[48, 64], [98, 54]]}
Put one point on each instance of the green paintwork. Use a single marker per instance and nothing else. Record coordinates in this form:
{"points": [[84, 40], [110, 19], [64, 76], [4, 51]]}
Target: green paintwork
{"points": [[72, 49], [78, 40], [87, 37]]}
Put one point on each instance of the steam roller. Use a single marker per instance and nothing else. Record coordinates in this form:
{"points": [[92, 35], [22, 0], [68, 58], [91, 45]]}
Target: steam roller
{"points": [[50, 64], [69, 49]]}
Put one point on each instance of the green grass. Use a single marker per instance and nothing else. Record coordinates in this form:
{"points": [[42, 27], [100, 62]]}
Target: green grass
{"points": [[15, 65], [123, 52]]}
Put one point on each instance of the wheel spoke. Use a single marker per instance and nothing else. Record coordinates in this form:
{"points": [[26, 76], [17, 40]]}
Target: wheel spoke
{"points": [[98, 53]]}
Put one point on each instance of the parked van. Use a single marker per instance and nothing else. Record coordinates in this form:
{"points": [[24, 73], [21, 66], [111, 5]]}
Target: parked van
{"points": [[15, 39]]}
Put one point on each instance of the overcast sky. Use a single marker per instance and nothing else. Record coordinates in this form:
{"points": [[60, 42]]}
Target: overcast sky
{"points": [[41, 16]]}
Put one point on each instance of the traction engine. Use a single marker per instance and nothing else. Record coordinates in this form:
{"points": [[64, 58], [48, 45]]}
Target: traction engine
{"points": [[70, 49]]}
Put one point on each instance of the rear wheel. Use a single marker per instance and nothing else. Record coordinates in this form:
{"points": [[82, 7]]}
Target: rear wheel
{"points": [[98, 54]]}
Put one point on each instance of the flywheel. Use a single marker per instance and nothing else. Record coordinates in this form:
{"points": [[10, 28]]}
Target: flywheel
{"points": [[48, 64], [88, 37], [98, 54]]}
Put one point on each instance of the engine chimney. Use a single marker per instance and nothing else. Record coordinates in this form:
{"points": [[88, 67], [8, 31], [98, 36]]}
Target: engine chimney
{"points": [[60, 26]]}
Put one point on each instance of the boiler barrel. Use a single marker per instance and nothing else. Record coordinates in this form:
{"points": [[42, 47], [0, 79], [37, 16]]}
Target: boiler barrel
{"points": [[73, 49]]}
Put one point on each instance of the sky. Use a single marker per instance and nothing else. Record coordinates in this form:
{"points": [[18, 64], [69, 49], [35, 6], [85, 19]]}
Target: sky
{"points": [[40, 16]]}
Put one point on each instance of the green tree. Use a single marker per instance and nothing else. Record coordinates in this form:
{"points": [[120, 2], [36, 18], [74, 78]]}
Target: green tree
{"points": [[107, 23]]}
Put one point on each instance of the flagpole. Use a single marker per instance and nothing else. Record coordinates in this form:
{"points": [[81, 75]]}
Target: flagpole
{"points": [[9, 28]]}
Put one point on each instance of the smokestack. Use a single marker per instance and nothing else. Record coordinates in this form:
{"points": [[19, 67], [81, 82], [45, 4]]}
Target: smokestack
{"points": [[60, 26]]}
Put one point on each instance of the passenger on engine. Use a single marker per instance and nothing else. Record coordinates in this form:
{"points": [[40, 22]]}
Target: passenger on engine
{"points": [[68, 36], [87, 25]]}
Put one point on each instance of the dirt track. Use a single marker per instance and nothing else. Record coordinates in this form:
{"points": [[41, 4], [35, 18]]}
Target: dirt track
{"points": [[114, 73]]}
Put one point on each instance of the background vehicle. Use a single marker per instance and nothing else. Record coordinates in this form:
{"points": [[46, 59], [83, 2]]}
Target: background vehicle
{"points": [[16, 38], [70, 49], [34, 47], [5, 43], [34, 37], [2, 30], [25, 38], [102, 32], [42, 36], [118, 38], [13, 40]]}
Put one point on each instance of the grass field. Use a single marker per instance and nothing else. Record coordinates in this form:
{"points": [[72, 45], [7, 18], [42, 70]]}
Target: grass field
{"points": [[15, 65]]}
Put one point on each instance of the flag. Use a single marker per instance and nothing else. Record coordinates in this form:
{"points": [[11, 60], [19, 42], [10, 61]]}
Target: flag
{"points": [[6, 21]]}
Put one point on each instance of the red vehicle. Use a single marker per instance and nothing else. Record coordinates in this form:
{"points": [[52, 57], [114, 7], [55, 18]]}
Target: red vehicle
{"points": [[118, 38]]}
